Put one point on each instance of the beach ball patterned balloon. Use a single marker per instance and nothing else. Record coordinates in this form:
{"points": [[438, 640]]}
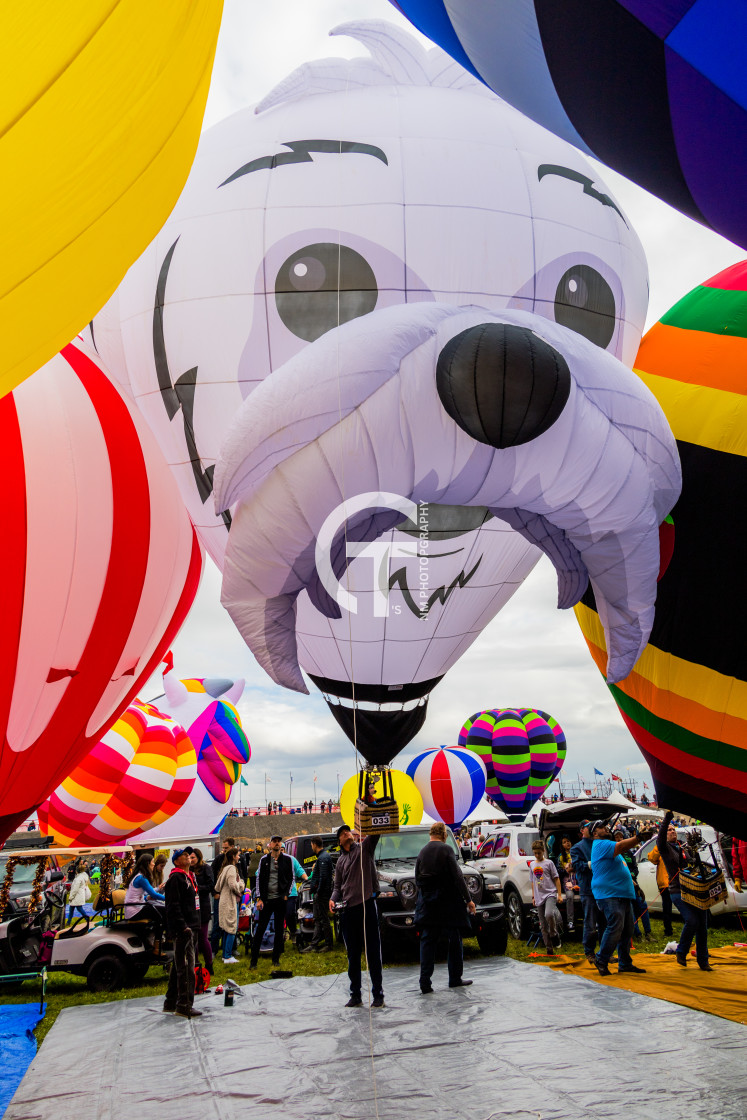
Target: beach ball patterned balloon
{"points": [[137, 776], [450, 781], [522, 749]]}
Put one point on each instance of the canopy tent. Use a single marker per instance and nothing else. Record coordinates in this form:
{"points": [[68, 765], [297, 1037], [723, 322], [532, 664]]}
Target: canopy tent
{"points": [[633, 810], [486, 812], [482, 812]]}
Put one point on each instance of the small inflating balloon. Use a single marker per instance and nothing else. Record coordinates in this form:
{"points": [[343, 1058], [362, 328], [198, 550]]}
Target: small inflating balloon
{"points": [[451, 782]]}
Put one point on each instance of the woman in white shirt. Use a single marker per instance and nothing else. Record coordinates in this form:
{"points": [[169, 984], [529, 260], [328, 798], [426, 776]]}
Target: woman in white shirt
{"points": [[80, 890]]}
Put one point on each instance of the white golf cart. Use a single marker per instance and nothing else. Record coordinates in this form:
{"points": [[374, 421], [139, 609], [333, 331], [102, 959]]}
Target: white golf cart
{"points": [[109, 951]]}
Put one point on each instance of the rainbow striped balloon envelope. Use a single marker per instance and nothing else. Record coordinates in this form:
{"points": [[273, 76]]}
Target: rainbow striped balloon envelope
{"points": [[450, 781], [522, 750], [137, 776], [685, 703]]}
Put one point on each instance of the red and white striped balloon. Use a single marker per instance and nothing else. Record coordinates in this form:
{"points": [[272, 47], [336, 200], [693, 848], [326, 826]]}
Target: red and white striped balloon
{"points": [[451, 781], [100, 567]]}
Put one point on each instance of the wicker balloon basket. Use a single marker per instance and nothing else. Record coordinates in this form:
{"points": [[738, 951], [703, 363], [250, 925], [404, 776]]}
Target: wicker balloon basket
{"points": [[703, 890], [376, 815]]}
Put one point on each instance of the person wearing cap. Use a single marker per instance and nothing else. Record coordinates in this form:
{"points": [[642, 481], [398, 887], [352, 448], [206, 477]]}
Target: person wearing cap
{"points": [[274, 881], [614, 891], [581, 860], [182, 926], [356, 881]]}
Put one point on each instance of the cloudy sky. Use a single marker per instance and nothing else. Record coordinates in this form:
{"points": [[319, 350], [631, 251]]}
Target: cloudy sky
{"points": [[532, 654]]}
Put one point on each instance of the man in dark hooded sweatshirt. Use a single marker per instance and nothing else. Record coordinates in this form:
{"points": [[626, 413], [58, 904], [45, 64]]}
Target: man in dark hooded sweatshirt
{"points": [[182, 925], [442, 907]]}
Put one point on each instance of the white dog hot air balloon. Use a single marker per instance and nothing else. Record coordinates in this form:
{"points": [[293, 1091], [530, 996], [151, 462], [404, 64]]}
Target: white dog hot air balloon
{"points": [[384, 341]]}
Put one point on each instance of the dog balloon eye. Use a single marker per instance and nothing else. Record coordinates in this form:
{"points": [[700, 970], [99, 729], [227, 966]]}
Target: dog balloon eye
{"points": [[585, 303], [321, 286]]}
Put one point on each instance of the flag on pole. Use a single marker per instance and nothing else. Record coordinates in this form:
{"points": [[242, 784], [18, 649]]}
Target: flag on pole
{"points": [[291, 777], [600, 772], [616, 778], [645, 786], [244, 781], [268, 778], [315, 777]]}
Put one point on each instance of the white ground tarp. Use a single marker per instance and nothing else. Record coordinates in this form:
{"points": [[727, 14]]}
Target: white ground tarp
{"points": [[522, 1042]]}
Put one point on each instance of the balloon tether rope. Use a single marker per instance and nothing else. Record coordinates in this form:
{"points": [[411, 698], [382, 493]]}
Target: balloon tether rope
{"points": [[350, 636]]}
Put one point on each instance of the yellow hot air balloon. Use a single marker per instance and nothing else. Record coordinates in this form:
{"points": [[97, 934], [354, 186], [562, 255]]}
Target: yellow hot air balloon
{"points": [[405, 794], [101, 105]]}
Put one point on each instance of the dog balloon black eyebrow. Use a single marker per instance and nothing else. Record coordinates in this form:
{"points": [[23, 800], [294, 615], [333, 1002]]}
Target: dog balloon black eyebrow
{"points": [[301, 153], [577, 177]]}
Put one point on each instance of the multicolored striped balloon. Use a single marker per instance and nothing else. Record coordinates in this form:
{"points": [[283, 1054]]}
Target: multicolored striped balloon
{"points": [[685, 703], [100, 566], [138, 775], [522, 750], [450, 781], [205, 706], [220, 741]]}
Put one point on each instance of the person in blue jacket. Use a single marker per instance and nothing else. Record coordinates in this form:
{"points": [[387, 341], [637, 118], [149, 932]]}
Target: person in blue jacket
{"points": [[291, 913], [593, 919]]}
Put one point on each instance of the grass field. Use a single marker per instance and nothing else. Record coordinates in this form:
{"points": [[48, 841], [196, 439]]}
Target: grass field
{"points": [[64, 990]]}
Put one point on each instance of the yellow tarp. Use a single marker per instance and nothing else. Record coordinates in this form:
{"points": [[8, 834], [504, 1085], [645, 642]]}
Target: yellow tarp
{"points": [[101, 105], [721, 992]]}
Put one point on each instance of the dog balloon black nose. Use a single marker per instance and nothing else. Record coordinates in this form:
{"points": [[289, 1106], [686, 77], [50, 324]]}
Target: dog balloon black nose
{"points": [[502, 384]]}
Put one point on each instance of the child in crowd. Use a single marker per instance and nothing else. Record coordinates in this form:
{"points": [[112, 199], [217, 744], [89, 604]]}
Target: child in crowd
{"points": [[546, 895]]}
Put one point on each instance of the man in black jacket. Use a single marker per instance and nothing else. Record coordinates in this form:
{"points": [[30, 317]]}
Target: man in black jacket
{"points": [[442, 907], [182, 926], [321, 887], [274, 879]]}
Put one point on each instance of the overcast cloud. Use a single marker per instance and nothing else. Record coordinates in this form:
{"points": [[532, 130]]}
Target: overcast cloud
{"points": [[532, 654]]}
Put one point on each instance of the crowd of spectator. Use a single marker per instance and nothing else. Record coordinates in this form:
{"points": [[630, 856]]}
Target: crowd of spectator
{"points": [[274, 808]]}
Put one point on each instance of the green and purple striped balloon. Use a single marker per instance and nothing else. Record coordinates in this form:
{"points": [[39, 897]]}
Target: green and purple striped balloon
{"points": [[523, 749]]}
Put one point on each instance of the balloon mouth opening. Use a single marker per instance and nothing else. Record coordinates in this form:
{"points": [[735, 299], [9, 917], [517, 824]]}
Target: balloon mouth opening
{"points": [[377, 719], [374, 697], [372, 706]]}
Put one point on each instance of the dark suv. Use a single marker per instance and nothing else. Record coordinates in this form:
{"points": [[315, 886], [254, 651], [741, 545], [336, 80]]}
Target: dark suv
{"points": [[395, 861], [300, 847]]}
